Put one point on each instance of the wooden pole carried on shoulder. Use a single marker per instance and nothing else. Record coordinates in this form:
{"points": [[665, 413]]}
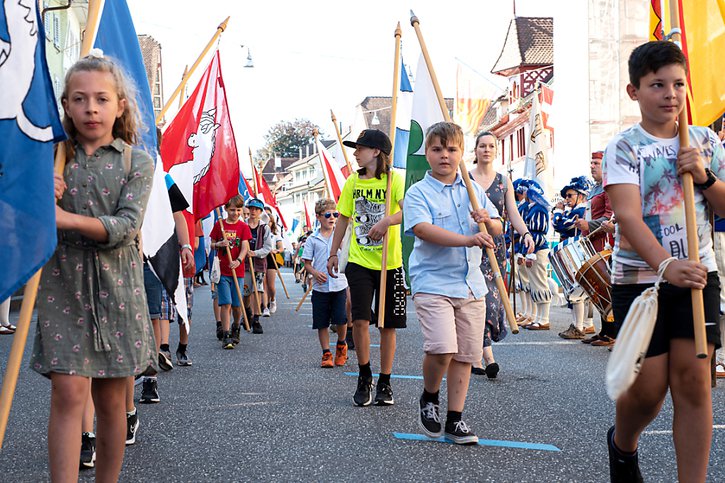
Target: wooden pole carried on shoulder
{"points": [[339, 140], [467, 180], [234, 273], [221, 28], [688, 189], [389, 171]]}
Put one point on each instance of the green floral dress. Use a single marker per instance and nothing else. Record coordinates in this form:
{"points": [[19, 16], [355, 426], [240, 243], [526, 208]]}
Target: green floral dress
{"points": [[93, 319]]}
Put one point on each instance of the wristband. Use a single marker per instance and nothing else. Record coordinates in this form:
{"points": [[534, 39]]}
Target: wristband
{"points": [[186, 246], [331, 256], [527, 233]]}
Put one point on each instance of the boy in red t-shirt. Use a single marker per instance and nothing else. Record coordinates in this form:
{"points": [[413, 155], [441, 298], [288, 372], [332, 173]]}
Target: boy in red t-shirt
{"points": [[236, 236]]}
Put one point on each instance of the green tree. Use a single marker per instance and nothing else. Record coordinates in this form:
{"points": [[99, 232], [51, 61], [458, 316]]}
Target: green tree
{"points": [[286, 138]]}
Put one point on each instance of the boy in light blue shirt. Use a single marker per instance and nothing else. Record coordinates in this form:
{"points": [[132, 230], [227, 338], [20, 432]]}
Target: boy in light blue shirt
{"points": [[447, 284], [329, 294]]}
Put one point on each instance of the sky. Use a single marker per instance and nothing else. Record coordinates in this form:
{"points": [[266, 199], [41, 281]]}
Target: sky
{"points": [[310, 57]]}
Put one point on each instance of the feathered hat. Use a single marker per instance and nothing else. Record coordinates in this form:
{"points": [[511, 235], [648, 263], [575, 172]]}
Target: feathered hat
{"points": [[580, 184]]}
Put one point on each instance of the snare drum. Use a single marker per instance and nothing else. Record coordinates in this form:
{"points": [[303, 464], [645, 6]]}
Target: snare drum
{"points": [[566, 259], [594, 278]]}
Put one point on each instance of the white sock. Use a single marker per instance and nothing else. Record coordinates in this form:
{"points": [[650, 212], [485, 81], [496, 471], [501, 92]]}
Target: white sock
{"points": [[578, 311], [5, 312], [542, 310]]}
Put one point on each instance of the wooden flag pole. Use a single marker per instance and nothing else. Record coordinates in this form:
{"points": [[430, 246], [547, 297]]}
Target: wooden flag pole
{"points": [[30, 293], [311, 282], [254, 174], [10, 380], [234, 273], [221, 28], [339, 140], [183, 85], [328, 192], [92, 21], [688, 188], [467, 180], [254, 284], [389, 171]]}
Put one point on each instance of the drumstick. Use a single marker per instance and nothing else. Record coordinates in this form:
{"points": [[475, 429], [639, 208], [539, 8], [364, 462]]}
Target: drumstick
{"points": [[601, 227]]}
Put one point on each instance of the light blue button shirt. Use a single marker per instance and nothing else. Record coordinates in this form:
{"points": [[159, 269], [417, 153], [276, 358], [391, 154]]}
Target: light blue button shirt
{"points": [[450, 271], [317, 249]]}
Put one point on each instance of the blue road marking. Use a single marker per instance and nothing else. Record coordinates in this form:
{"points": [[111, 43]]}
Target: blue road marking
{"points": [[481, 442]]}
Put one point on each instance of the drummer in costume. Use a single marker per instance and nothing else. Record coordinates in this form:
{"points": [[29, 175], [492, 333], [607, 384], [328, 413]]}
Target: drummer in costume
{"points": [[564, 222], [599, 222], [537, 220], [528, 308]]}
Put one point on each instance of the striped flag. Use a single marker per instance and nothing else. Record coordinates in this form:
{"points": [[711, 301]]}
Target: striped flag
{"points": [[702, 24]]}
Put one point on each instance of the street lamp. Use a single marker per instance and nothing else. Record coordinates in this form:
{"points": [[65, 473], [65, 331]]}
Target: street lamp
{"points": [[249, 64]]}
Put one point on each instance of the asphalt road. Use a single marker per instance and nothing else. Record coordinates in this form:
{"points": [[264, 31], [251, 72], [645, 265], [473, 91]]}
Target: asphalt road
{"points": [[266, 411]]}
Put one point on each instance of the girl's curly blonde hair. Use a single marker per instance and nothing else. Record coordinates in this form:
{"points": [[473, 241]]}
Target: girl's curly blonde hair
{"points": [[128, 127]]}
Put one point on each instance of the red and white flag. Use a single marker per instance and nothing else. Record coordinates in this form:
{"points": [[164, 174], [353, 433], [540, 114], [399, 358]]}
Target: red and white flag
{"points": [[266, 194], [546, 98], [198, 148], [334, 179], [307, 216]]}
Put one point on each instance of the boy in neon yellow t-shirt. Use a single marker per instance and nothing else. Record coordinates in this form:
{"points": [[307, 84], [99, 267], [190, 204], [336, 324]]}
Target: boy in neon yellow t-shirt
{"points": [[362, 202]]}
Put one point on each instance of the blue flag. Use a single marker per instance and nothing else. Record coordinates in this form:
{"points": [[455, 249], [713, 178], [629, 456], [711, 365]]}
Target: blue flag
{"points": [[29, 125], [117, 38]]}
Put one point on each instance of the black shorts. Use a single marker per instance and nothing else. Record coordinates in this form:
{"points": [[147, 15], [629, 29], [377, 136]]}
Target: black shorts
{"points": [[674, 312], [328, 308], [364, 283]]}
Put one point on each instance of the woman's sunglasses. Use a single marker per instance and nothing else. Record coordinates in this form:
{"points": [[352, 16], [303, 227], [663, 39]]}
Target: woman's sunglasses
{"points": [[335, 214]]}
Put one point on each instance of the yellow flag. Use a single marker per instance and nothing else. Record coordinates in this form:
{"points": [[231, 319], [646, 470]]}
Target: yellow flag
{"points": [[703, 41]]}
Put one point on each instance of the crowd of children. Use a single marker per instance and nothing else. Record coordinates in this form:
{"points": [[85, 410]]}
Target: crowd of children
{"points": [[103, 316]]}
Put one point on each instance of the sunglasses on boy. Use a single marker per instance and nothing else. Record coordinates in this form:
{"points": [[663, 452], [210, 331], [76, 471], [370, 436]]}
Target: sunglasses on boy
{"points": [[328, 215]]}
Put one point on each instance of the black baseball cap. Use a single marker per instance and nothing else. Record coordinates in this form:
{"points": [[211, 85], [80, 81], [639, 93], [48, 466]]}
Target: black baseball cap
{"points": [[371, 138]]}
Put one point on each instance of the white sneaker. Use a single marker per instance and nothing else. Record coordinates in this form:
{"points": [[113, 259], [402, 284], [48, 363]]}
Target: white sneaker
{"points": [[265, 312], [273, 306]]}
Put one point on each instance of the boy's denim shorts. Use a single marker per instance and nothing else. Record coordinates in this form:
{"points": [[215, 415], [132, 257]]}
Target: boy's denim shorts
{"points": [[153, 292], [227, 292]]}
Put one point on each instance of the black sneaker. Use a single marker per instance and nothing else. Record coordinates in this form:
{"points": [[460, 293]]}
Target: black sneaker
{"points": [[88, 451], [257, 327], [622, 469], [150, 391], [165, 361], [429, 418], [132, 424], [228, 343], [364, 393], [219, 331], [460, 433], [384, 395], [182, 359], [236, 330]]}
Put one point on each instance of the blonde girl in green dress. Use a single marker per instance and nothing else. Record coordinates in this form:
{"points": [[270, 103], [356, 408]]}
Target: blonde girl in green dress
{"points": [[93, 323]]}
